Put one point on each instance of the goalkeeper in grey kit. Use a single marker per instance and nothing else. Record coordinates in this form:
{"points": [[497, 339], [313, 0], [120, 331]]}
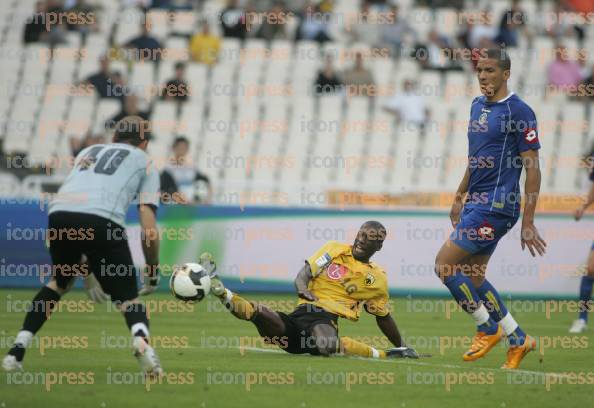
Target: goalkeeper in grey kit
{"points": [[104, 181]]}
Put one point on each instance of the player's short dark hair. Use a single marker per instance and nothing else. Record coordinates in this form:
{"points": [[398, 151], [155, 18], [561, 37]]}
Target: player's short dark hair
{"points": [[180, 65], [132, 130], [501, 56], [375, 225], [180, 139]]}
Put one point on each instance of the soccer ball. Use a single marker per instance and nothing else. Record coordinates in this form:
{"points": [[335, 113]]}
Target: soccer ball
{"points": [[190, 282]]}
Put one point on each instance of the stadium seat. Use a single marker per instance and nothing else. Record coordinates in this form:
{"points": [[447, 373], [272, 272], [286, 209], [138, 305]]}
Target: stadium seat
{"points": [[164, 124], [159, 21], [432, 160], [129, 24], [573, 137], [177, 49], [350, 144], [106, 109], [142, 80], [271, 139], [184, 23]]}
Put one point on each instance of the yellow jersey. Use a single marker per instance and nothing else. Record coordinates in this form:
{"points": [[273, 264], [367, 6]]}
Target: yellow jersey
{"points": [[343, 284], [205, 48]]}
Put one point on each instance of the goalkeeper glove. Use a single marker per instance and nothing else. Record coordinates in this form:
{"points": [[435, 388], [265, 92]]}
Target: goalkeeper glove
{"points": [[94, 290]]}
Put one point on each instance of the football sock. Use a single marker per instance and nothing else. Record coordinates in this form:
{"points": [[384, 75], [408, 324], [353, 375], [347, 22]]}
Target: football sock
{"points": [[353, 347], [499, 313], [137, 320], [463, 291], [515, 334], [38, 312], [492, 300], [22, 341], [585, 294], [238, 306]]}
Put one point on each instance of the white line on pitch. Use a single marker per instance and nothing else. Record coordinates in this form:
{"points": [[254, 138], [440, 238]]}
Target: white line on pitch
{"points": [[420, 363]]}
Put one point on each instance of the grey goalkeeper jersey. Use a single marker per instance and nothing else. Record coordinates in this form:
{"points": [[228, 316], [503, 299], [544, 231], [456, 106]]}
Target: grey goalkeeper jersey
{"points": [[106, 179]]}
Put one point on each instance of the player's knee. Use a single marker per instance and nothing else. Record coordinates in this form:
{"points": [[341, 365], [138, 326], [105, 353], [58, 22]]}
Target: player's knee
{"points": [[326, 345], [441, 268]]}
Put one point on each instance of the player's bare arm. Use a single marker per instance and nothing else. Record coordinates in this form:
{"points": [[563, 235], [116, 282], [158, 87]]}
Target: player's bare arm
{"points": [[389, 328], [579, 212], [530, 236], [302, 283], [458, 203]]}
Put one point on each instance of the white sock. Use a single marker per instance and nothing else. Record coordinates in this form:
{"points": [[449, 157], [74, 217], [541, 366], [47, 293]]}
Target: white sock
{"points": [[509, 324], [480, 315], [24, 338], [375, 353], [139, 326]]}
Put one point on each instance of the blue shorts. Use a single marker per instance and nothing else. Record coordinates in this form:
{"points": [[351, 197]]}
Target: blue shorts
{"points": [[479, 231]]}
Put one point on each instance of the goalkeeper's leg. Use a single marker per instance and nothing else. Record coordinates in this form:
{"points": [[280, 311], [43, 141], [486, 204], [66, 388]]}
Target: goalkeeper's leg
{"points": [[42, 306]]}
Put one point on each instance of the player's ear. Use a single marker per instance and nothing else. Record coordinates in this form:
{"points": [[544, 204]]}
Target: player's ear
{"points": [[506, 74]]}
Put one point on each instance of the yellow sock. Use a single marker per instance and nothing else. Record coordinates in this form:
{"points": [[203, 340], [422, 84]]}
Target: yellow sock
{"points": [[238, 306], [353, 347]]}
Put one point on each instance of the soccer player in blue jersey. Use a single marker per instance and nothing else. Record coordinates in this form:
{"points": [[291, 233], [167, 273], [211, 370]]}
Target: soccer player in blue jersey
{"points": [[579, 325], [502, 140]]}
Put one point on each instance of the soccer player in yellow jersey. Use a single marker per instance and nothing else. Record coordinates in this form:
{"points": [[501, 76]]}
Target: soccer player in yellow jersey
{"points": [[335, 282]]}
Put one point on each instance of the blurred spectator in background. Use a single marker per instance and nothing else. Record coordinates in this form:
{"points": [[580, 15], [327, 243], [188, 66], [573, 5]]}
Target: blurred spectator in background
{"points": [[176, 89], [408, 106], [181, 183], [172, 4], [511, 24], [394, 32], [76, 144], [560, 23], [564, 73], [106, 83], [146, 47], [273, 23], [35, 27], [82, 18], [588, 85], [234, 21], [129, 107], [204, 46], [313, 25], [437, 54], [483, 33], [364, 27], [328, 80], [358, 80]]}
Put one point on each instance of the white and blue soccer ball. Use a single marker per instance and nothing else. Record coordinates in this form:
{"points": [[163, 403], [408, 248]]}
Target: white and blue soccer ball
{"points": [[190, 282]]}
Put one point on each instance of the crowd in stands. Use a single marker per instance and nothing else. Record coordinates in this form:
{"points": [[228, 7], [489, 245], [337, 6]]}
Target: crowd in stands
{"points": [[379, 24]]}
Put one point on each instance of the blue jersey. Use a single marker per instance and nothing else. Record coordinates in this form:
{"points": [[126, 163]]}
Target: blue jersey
{"points": [[497, 133]]}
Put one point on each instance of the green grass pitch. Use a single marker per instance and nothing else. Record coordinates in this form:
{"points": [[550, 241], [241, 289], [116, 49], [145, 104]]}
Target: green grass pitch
{"points": [[83, 358]]}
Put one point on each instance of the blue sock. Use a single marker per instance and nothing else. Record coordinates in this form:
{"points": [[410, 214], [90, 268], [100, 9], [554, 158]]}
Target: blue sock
{"points": [[463, 291], [498, 311], [585, 294], [492, 301]]}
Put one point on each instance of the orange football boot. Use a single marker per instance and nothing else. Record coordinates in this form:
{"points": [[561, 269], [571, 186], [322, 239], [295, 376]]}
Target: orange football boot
{"points": [[482, 343], [515, 354]]}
